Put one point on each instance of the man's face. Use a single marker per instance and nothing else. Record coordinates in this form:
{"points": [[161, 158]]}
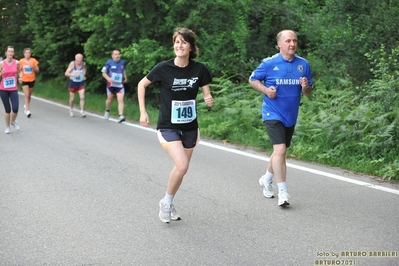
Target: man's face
{"points": [[288, 44], [79, 58], [116, 56]]}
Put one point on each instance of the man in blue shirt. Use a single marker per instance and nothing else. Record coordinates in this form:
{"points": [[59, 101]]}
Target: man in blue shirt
{"points": [[115, 74], [282, 79]]}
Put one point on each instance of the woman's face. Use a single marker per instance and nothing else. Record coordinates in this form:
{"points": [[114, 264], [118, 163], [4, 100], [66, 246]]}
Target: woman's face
{"points": [[182, 48], [10, 52], [27, 54]]}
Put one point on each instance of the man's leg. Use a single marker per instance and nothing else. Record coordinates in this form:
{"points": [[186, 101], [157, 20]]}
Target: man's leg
{"points": [[121, 105], [82, 102]]}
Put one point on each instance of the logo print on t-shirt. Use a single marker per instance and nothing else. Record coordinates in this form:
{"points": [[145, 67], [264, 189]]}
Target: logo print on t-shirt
{"points": [[183, 84]]}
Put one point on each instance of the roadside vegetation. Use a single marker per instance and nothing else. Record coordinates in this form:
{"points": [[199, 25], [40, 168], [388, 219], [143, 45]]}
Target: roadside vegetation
{"points": [[351, 120]]}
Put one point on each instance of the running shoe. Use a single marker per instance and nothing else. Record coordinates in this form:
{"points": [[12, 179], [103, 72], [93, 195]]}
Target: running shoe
{"points": [[174, 216], [7, 131], [106, 115], [28, 113], [283, 198], [82, 113], [267, 188], [15, 125], [164, 211], [70, 113], [121, 118]]}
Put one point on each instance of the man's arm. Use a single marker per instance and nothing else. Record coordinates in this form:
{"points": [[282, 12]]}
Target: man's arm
{"points": [[68, 72], [306, 88], [107, 78], [259, 86], [104, 73], [124, 76]]}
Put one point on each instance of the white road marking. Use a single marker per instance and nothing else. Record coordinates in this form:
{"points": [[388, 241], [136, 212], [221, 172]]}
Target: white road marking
{"points": [[263, 158]]}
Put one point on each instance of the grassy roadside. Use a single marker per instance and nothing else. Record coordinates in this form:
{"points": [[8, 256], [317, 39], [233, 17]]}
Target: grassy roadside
{"points": [[57, 90], [324, 133]]}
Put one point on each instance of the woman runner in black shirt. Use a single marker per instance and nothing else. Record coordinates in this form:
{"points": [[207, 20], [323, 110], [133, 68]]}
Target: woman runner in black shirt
{"points": [[179, 80]]}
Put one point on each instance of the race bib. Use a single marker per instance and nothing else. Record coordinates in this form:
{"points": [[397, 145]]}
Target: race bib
{"points": [[116, 80], [116, 77], [9, 82], [78, 78], [183, 112], [28, 69]]}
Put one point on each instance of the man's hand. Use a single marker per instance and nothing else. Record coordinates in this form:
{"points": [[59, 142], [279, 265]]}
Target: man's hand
{"points": [[271, 92]]}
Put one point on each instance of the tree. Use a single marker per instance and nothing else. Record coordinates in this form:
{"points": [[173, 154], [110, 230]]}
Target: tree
{"points": [[342, 32], [12, 20], [56, 39]]}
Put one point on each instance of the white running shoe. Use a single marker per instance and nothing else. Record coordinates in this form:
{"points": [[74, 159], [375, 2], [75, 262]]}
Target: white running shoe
{"points": [[121, 118], [28, 113], [82, 113], [283, 198], [70, 113], [267, 188], [164, 211], [106, 115], [7, 131], [15, 125], [174, 216]]}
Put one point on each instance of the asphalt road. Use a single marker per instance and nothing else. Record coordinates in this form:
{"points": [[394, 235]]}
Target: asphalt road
{"points": [[85, 191]]}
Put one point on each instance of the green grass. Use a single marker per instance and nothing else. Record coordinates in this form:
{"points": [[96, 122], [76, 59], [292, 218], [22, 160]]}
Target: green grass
{"points": [[335, 127], [57, 91]]}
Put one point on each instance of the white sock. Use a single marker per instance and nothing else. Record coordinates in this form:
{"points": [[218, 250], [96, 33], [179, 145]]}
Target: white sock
{"points": [[168, 198], [282, 186], [268, 177]]}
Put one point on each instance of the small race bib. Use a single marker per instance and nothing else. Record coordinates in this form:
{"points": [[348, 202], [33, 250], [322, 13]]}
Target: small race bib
{"points": [[28, 69], [116, 77], [183, 112], [116, 80], [78, 78], [9, 82]]}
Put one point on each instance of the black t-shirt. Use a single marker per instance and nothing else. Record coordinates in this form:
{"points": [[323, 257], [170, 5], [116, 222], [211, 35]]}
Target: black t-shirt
{"points": [[178, 90]]}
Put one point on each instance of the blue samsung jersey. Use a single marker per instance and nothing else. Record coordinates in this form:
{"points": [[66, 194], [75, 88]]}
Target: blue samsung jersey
{"points": [[285, 76], [115, 71]]}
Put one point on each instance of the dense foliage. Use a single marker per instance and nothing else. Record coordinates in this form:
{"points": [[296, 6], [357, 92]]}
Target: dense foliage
{"points": [[351, 119]]}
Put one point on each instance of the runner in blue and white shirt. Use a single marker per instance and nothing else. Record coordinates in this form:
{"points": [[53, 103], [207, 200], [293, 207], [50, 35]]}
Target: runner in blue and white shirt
{"points": [[282, 79], [76, 72], [114, 73]]}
